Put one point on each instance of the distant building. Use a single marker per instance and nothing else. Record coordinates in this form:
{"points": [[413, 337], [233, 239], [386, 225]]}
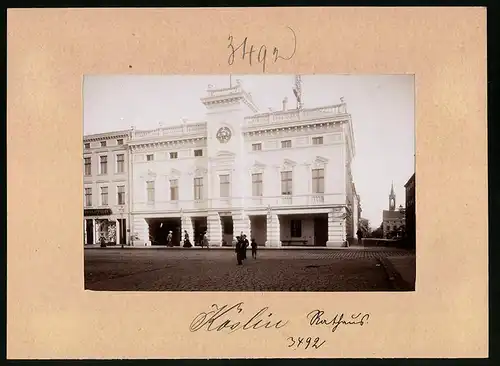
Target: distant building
{"points": [[393, 219], [105, 187], [410, 209]]}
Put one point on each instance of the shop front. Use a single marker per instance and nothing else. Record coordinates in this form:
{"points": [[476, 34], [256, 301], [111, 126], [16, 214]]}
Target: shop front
{"points": [[99, 224]]}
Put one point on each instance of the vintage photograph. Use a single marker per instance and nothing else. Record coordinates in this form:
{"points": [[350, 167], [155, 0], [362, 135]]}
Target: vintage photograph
{"points": [[249, 182]]}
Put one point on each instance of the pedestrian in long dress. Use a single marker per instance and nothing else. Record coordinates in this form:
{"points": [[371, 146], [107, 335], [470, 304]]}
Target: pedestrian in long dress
{"points": [[169, 239], [187, 243], [205, 240]]}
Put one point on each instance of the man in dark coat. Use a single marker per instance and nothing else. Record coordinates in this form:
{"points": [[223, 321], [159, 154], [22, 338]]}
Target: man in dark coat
{"points": [[254, 248], [359, 234], [187, 242], [238, 250]]}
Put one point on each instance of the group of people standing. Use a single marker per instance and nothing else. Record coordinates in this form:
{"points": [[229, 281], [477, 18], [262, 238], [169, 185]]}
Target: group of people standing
{"points": [[186, 241], [242, 244]]}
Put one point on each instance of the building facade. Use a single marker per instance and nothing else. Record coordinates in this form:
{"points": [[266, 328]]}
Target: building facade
{"points": [[281, 177], [393, 219], [410, 210], [105, 187]]}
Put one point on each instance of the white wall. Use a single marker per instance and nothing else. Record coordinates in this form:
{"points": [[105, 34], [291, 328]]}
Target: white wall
{"points": [[307, 229]]}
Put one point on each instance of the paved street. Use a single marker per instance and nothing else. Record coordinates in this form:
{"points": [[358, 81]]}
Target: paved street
{"points": [[216, 270]]}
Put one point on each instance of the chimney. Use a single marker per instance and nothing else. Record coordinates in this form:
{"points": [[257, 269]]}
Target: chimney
{"points": [[285, 101]]}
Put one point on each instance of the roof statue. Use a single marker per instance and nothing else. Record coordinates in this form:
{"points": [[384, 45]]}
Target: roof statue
{"points": [[297, 91]]}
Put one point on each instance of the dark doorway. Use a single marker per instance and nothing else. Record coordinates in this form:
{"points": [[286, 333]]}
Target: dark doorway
{"points": [[159, 229], [227, 230], [90, 231], [199, 228], [320, 230]]}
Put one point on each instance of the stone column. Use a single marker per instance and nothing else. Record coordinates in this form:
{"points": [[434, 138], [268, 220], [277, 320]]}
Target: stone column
{"points": [[336, 228], [117, 230], [84, 231], [241, 222], [214, 230], [273, 231], [141, 228], [187, 224]]}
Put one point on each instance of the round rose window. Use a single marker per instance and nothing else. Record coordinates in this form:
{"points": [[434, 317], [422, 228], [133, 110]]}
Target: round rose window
{"points": [[223, 135]]}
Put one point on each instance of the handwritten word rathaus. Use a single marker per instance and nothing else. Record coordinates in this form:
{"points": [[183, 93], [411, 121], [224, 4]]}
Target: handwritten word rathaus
{"points": [[315, 318], [244, 49], [220, 318]]}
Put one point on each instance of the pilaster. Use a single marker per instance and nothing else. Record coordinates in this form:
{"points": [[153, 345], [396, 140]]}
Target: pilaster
{"points": [[214, 228], [241, 223], [141, 229], [336, 228], [273, 231], [187, 224]]}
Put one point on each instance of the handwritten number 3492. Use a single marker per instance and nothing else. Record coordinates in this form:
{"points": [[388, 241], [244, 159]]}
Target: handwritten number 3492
{"points": [[305, 342], [261, 53]]}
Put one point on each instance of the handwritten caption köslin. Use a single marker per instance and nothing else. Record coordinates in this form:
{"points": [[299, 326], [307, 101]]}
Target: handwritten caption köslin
{"points": [[247, 51], [232, 318]]}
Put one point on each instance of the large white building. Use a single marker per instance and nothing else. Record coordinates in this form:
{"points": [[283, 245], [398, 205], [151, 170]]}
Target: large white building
{"points": [[105, 187], [281, 177]]}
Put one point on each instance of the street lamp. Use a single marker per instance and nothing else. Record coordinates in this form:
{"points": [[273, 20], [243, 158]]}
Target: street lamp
{"points": [[121, 208]]}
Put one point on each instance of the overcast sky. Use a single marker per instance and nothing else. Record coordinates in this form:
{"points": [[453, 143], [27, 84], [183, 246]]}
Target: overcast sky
{"points": [[382, 109]]}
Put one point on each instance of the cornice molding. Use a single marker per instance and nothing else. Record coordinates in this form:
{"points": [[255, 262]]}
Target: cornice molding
{"points": [[105, 136], [320, 161], [143, 146], [271, 130]]}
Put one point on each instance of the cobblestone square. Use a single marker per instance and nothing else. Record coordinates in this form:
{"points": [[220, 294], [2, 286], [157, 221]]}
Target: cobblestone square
{"points": [[216, 270]]}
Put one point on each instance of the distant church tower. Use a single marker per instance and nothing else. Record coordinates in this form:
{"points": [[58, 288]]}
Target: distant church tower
{"points": [[392, 199]]}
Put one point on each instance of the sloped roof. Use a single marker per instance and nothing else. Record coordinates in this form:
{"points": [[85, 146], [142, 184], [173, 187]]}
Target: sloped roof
{"points": [[393, 215]]}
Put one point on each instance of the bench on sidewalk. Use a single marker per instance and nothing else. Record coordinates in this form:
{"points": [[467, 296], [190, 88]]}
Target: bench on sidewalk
{"points": [[294, 242]]}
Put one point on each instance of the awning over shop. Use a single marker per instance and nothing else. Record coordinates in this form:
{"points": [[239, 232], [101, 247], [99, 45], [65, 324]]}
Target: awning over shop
{"points": [[97, 212]]}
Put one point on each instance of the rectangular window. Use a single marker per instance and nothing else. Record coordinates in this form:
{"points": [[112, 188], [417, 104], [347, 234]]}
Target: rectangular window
{"points": [[317, 140], [104, 164], [88, 197], [286, 144], [104, 196], [121, 195], [174, 189], [151, 191], [120, 163], [88, 166], [296, 228], [173, 155], [119, 141], [257, 147], [103, 143], [198, 188], [150, 157], [257, 185], [286, 183], [224, 185], [198, 152], [318, 180], [87, 145]]}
